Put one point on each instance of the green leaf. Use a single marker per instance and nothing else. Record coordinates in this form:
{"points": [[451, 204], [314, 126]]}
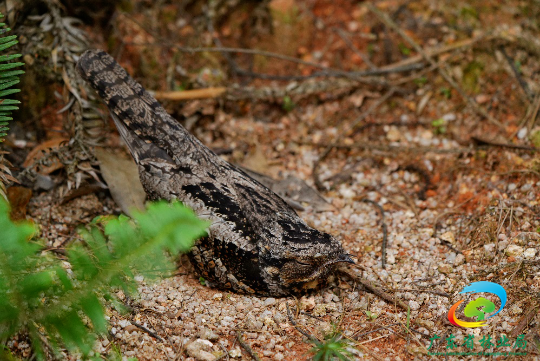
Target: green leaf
{"points": [[11, 73], [93, 309], [6, 44], [9, 57], [10, 66], [8, 92]]}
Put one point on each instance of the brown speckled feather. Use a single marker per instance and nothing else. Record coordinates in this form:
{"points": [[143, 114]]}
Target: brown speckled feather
{"points": [[256, 243]]}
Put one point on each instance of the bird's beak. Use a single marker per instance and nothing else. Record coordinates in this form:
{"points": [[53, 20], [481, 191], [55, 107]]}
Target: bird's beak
{"points": [[346, 258]]}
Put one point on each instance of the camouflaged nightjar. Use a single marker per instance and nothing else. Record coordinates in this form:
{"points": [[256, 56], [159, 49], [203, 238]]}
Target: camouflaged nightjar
{"points": [[256, 243]]}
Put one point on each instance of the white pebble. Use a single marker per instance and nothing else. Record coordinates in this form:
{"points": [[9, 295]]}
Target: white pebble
{"points": [[529, 253]]}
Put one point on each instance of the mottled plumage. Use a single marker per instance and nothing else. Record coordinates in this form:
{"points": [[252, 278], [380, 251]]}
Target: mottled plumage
{"points": [[256, 243]]}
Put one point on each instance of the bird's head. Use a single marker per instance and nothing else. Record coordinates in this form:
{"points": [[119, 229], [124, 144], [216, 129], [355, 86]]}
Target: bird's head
{"points": [[303, 261]]}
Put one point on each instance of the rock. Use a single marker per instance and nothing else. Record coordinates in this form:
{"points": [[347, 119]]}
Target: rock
{"points": [[489, 248], [235, 353], [269, 301], [522, 133], [529, 253], [200, 349], [482, 98], [253, 324], [448, 237], [124, 323], [445, 268], [514, 250], [208, 334], [449, 117], [460, 259], [307, 303], [319, 310], [414, 305], [393, 134]]}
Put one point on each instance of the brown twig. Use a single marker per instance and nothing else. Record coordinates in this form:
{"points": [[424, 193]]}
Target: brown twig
{"points": [[439, 50], [343, 35], [483, 141], [150, 332], [190, 94], [391, 24], [333, 145], [524, 321], [522, 83], [377, 329], [374, 289], [298, 328], [246, 347]]}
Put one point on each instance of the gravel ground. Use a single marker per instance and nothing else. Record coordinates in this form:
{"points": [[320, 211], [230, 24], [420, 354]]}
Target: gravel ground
{"points": [[179, 318]]}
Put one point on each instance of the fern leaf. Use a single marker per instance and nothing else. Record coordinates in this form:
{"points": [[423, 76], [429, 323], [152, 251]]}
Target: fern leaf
{"points": [[38, 295], [8, 78]]}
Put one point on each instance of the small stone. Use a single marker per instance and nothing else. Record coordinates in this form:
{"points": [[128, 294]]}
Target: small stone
{"points": [[482, 98], [131, 328], [328, 297], [279, 356], [347, 193], [307, 303], [449, 117], [448, 237], [124, 323], [393, 134], [269, 322], [522, 133], [253, 324], [319, 310], [269, 301], [529, 253], [217, 296], [514, 250], [200, 349], [235, 353], [460, 259], [426, 323], [208, 334], [503, 244], [414, 305], [445, 268], [489, 248]]}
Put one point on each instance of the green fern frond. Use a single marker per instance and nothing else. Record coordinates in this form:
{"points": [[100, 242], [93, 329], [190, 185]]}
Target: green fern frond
{"points": [[40, 296], [8, 78]]}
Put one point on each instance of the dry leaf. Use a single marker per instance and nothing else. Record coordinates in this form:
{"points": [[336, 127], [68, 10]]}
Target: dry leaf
{"points": [[40, 151], [122, 177], [18, 199], [256, 160]]}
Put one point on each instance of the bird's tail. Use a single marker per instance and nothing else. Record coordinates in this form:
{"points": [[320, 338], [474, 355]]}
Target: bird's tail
{"points": [[139, 117]]}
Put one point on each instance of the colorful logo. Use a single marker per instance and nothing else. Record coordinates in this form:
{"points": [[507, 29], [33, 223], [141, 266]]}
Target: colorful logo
{"points": [[480, 306]]}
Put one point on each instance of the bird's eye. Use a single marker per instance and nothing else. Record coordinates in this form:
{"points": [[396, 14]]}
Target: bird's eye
{"points": [[302, 263]]}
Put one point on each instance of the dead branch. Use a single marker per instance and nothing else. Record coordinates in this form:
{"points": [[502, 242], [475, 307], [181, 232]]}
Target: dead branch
{"points": [[374, 289], [190, 94], [246, 347], [391, 24]]}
